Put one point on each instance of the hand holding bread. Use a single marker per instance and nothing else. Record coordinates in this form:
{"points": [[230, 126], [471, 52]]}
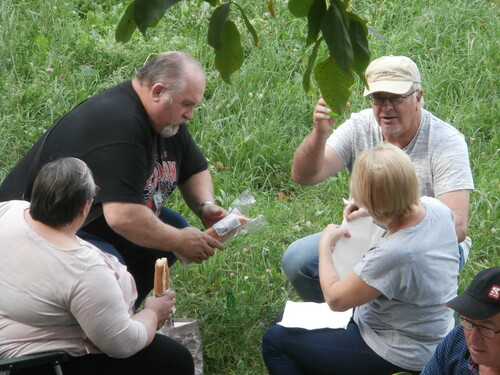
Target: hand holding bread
{"points": [[162, 284]]}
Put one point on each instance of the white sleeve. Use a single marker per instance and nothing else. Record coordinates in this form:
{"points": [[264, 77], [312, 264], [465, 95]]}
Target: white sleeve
{"points": [[98, 305]]}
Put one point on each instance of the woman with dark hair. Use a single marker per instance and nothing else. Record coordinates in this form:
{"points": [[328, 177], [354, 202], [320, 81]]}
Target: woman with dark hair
{"points": [[62, 293], [398, 289]]}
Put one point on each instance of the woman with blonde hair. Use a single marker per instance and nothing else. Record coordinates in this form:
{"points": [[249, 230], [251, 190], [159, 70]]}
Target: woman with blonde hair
{"points": [[398, 289]]}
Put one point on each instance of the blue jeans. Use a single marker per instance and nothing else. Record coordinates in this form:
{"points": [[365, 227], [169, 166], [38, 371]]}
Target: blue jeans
{"points": [[139, 260], [300, 265], [297, 351]]}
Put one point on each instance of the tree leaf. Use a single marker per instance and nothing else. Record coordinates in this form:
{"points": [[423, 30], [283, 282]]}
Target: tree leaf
{"points": [[306, 78], [249, 26], [149, 12], [127, 25], [299, 8], [229, 57], [314, 17], [213, 2], [216, 25], [337, 37], [358, 33], [334, 84]]}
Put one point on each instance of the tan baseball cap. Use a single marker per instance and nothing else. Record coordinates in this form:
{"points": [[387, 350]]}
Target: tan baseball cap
{"points": [[394, 74]]}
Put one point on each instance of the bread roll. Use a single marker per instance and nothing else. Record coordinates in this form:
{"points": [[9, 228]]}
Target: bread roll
{"points": [[212, 232], [162, 277]]}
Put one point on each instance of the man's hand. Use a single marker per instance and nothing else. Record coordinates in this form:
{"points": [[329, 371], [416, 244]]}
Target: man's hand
{"points": [[352, 211], [322, 121], [196, 246], [138, 224], [211, 213]]}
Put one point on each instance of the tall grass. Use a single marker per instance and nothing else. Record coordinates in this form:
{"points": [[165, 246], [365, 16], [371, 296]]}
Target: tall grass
{"points": [[55, 54]]}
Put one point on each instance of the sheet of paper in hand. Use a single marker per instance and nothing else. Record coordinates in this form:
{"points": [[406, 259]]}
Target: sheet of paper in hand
{"points": [[349, 251], [311, 315]]}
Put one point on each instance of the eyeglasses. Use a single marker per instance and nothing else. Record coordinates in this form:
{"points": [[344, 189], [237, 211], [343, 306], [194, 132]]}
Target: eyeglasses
{"points": [[483, 331], [394, 99]]}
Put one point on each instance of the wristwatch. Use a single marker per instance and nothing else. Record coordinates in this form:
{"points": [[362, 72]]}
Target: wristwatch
{"points": [[203, 204]]}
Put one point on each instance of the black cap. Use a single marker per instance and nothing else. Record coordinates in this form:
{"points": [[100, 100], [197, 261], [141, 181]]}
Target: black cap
{"points": [[481, 300]]}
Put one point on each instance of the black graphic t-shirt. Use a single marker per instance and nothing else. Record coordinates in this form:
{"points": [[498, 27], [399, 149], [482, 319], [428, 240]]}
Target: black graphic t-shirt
{"points": [[111, 132]]}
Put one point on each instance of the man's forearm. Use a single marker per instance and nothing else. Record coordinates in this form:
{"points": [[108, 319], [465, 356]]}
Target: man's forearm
{"points": [[309, 158], [138, 224], [458, 202], [197, 189]]}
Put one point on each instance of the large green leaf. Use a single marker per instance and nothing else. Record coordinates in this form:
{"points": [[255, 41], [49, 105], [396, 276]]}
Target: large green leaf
{"points": [[216, 25], [306, 78], [229, 57], [249, 26], [358, 33], [314, 19], [299, 8], [149, 12], [127, 25], [337, 37], [334, 84]]}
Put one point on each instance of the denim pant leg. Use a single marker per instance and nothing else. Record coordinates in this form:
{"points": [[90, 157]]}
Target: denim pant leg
{"points": [[296, 351], [300, 265]]}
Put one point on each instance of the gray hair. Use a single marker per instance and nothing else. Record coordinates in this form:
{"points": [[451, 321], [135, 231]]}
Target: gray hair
{"points": [[168, 68], [60, 189], [417, 87]]}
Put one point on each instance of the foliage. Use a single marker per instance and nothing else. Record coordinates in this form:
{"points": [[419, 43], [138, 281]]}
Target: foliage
{"points": [[344, 33], [55, 54]]}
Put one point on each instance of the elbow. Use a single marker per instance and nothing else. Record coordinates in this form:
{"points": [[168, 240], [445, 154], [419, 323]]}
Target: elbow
{"points": [[128, 347], [297, 178], [301, 179], [119, 218], [120, 225], [461, 230], [336, 304]]}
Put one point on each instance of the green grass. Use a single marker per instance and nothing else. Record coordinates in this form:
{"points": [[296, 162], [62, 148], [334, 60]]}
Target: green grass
{"points": [[252, 128]]}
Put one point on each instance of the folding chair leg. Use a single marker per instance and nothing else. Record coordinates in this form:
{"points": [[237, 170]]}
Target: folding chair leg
{"points": [[57, 368]]}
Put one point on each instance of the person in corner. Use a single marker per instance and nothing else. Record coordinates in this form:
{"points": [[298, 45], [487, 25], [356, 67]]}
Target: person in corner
{"points": [[473, 347]]}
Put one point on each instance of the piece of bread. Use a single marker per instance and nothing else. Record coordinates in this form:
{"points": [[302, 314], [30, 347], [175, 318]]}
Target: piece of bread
{"points": [[161, 282], [162, 277], [212, 233]]}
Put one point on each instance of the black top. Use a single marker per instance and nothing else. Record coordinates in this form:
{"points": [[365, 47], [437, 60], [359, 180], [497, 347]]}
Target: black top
{"points": [[112, 133]]}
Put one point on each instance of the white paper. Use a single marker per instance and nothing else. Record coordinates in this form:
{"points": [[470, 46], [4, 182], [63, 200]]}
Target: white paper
{"points": [[311, 315], [349, 251]]}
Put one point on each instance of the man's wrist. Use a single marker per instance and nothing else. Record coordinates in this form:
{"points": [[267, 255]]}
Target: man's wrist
{"points": [[203, 204]]}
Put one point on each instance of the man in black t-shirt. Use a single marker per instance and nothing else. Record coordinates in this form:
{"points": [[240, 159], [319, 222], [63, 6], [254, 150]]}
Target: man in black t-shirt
{"points": [[135, 140]]}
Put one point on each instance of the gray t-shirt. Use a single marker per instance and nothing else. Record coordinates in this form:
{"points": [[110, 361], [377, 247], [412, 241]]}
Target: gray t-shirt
{"points": [[438, 151], [416, 271]]}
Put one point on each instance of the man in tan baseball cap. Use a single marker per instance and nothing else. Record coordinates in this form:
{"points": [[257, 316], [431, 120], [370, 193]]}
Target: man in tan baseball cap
{"points": [[473, 347], [396, 115]]}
